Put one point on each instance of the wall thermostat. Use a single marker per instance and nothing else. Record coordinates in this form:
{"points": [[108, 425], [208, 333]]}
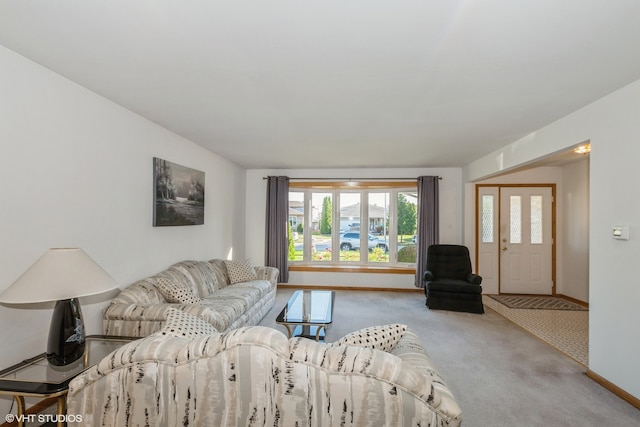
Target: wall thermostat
{"points": [[620, 232]]}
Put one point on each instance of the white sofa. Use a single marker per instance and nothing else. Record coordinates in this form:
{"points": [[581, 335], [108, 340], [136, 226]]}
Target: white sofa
{"points": [[227, 301], [256, 376]]}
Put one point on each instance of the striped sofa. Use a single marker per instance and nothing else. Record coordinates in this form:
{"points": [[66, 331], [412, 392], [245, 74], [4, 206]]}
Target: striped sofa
{"points": [[209, 292], [256, 376]]}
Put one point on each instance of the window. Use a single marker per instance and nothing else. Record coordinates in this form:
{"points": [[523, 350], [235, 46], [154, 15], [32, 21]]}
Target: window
{"points": [[487, 219], [349, 214], [536, 220], [367, 224], [321, 231], [515, 218]]}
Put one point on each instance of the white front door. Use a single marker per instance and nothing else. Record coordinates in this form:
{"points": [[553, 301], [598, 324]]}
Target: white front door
{"points": [[526, 242], [488, 239]]}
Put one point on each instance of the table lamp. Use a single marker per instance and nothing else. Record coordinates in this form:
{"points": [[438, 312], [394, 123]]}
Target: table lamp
{"points": [[62, 275]]}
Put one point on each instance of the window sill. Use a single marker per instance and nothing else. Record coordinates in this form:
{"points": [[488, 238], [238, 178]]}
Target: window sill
{"points": [[353, 269]]}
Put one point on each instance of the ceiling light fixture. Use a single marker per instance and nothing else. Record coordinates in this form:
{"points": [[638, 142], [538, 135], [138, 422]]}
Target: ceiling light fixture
{"points": [[582, 149]]}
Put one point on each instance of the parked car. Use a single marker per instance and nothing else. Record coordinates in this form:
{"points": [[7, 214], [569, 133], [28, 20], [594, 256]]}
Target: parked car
{"points": [[351, 240]]}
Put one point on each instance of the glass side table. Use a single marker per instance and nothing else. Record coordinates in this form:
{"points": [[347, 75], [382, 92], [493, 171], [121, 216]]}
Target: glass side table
{"points": [[308, 314], [35, 377]]}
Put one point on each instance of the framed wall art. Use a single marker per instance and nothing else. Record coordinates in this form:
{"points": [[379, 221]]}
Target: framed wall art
{"points": [[178, 194]]}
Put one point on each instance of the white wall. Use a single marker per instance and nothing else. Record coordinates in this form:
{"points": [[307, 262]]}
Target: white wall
{"points": [[76, 170], [612, 126], [451, 219], [574, 218]]}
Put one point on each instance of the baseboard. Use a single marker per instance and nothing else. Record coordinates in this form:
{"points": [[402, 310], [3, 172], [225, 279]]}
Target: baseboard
{"points": [[346, 288], [614, 388], [577, 301]]}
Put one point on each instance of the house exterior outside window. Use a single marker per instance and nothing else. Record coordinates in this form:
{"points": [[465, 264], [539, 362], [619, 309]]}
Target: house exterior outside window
{"points": [[342, 224]]}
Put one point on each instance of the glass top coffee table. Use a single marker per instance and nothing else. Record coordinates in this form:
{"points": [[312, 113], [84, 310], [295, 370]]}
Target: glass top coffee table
{"points": [[308, 314]]}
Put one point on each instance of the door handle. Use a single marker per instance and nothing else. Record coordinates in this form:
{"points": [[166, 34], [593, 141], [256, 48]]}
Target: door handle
{"points": [[504, 248]]}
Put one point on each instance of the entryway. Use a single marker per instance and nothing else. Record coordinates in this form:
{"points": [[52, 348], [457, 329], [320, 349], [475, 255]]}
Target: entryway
{"points": [[516, 237], [572, 338]]}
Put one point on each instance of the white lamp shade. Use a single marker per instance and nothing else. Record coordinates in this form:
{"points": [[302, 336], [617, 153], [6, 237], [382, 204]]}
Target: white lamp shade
{"points": [[60, 274]]}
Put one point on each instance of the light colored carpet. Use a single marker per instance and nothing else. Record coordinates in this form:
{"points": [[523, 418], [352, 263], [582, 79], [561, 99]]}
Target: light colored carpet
{"points": [[500, 374], [568, 331]]}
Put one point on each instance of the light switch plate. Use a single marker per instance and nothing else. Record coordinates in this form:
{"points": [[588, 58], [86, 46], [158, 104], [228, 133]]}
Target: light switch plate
{"points": [[620, 232]]}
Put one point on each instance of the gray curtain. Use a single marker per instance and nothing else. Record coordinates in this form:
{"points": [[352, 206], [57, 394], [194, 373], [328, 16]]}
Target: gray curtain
{"points": [[276, 252], [428, 222]]}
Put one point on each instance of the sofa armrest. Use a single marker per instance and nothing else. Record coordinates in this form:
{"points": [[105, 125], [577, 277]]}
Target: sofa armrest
{"points": [[412, 352], [407, 367], [158, 313], [268, 273], [428, 276], [474, 279]]}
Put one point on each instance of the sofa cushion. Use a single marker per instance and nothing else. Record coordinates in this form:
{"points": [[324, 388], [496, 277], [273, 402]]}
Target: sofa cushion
{"points": [[234, 301], [222, 276], [383, 337], [255, 289], [175, 292], [201, 274], [181, 324], [141, 292], [240, 271], [178, 276]]}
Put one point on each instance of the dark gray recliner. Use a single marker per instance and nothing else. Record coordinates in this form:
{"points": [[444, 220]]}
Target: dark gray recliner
{"points": [[449, 282]]}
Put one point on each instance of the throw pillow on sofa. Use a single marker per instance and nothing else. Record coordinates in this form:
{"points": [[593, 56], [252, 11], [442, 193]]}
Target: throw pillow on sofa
{"points": [[185, 325], [240, 271], [383, 337], [176, 293]]}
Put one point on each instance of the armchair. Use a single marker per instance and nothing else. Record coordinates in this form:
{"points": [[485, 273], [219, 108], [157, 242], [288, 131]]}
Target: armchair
{"points": [[449, 282]]}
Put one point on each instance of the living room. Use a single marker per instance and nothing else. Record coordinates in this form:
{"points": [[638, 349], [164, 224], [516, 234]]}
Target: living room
{"points": [[77, 169]]}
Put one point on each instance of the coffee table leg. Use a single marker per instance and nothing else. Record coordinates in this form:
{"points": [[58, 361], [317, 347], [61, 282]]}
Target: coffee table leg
{"points": [[62, 409], [20, 409], [289, 331], [318, 330]]}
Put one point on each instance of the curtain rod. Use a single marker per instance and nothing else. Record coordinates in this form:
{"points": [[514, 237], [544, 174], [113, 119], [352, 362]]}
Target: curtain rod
{"points": [[354, 179]]}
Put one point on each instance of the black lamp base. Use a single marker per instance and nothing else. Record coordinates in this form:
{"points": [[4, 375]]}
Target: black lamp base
{"points": [[66, 334]]}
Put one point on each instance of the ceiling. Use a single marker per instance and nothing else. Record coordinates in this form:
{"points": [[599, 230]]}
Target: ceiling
{"points": [[332, 84]]}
